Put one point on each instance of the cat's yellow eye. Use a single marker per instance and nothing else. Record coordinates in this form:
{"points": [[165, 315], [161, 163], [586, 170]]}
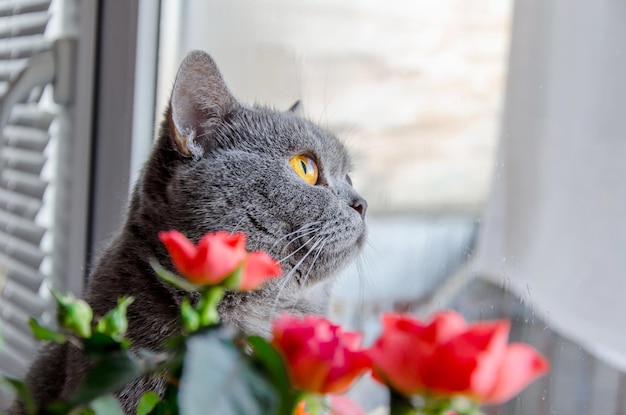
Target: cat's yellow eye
{"points": [[305, 167]]}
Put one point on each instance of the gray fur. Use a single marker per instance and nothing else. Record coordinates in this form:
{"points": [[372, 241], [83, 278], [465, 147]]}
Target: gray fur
{"points": [[221, 165]]}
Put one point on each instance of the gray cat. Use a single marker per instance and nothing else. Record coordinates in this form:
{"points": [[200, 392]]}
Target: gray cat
{"points": [[219, 164]]}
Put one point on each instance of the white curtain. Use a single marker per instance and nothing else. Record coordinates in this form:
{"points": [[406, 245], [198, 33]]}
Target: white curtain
{"points": [[554, 232]]}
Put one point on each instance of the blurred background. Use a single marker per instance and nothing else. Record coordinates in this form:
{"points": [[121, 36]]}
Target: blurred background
{"points": [[489, 140]]}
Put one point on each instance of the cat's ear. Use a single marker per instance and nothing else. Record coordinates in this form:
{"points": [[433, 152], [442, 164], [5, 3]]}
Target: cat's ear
{"points": [[200, 100], [296, 108]]}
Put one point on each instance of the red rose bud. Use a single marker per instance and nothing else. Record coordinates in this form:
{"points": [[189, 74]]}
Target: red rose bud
{"points": [[216, 256], [320, 357], [114, 323], [74, 315], [448, 357]]}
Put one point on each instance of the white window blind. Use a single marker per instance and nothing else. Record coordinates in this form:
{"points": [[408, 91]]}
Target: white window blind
{"points": [[28, 158]]}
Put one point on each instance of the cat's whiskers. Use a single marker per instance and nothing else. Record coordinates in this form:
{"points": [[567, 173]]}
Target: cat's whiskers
{"points": [[306, 276], [361, 274], [300, 229], [287, 277], [290, 273], [237, 225], [301, 247], [319, 251]]}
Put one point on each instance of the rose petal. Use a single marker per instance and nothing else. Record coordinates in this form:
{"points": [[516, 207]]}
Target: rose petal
{"points": [[258, 268], [447, 325], [341, 405], [181, 250], [491, 356], [346, 367], [352, 340], [521, 365], [399, 356], [219, 255]]}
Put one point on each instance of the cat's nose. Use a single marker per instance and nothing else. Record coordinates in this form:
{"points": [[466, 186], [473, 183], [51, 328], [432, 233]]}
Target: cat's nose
{"points": [[360, 205]]}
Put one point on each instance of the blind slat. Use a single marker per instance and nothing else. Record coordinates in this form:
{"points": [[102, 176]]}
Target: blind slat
{"points": [[22, 160], [24, 46], [25, 206], [9, 68], [23, 274], [20, 250], [17, 312], [23, 141], [13, 7], [23, 24], [26, 301], [19, 338], [26, 184], [24, 115], [25, 137], [10, 313], [12, 362], [21, 228]]}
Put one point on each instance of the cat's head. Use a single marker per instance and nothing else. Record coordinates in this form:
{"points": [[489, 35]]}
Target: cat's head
{"points": [[222, 165]]}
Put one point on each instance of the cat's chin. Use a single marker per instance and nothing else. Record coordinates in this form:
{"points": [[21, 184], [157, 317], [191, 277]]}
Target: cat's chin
{"points": [[347, 249], [253, 312]]}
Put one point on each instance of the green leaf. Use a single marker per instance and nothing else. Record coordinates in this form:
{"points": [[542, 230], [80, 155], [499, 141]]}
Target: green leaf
{"points": [[217, 375], [106, 405], [108, 374], [23, 392], [271, 360], [81, 410], [169, 404], [172, 278], [273, 365], [45, 334], [147, 402], [60, 408], [100, 343]]}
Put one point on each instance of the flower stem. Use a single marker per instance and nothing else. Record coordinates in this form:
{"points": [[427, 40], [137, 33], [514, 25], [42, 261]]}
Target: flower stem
{"points": [[400, 405], [207, 306], [315, 404]]}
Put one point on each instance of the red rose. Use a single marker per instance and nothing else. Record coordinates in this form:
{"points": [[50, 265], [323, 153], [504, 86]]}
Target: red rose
{"points": [[217, 256], [448, 357], [320, 356]]}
